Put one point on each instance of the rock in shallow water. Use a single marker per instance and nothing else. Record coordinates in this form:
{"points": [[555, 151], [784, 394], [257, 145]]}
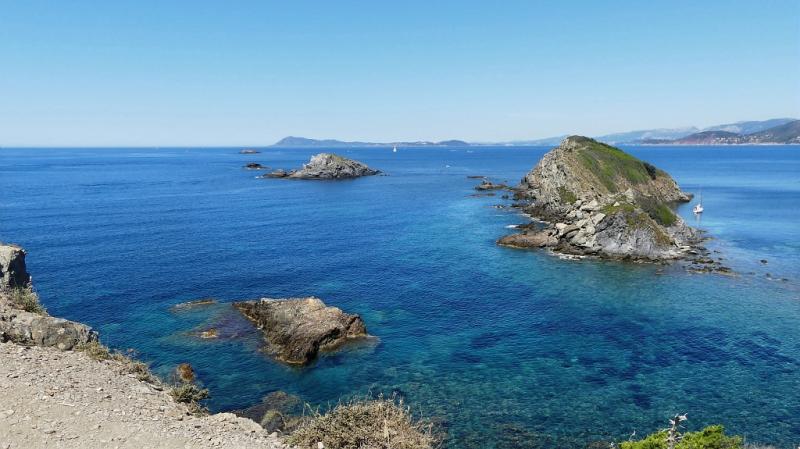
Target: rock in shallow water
{"points": [[296, 329]]}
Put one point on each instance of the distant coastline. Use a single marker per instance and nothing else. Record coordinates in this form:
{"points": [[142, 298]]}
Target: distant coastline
{"points": [[780, 131]]}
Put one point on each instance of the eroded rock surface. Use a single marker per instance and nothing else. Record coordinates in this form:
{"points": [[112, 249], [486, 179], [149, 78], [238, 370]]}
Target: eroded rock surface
{"points": [[599, 200], [296, 329], [327, 166], [13, 272], [26, 327]]}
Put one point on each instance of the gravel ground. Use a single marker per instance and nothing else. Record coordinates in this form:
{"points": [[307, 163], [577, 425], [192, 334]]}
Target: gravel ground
{"points": [[55, 399]]}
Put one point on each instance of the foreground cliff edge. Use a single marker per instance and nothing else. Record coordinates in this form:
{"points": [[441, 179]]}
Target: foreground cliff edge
{"points": [[595, 199], [61, 388]]}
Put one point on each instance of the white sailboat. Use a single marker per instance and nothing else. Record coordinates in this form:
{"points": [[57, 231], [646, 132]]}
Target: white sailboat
{"points": [[394, 150], [698, 208]]}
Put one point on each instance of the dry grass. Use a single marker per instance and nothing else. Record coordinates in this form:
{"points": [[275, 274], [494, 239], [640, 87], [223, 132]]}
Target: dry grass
{"points": [[24, 298], [365, 424], [95, 350], [126, 364]]}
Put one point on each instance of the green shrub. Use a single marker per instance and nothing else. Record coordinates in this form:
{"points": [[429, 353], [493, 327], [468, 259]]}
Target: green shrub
{"points": [[712, 437], [366, 423], [566, 196], [190, 394], [651, 169], [657, 210], [609, 164], [24, 298]]}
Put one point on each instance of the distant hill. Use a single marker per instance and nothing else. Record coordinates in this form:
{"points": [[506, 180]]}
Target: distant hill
{"points": [[704, 138], [785, 133], [633, 136], [671, 135], [303, 142], [546, 142], [749, 127], [772, 131]]}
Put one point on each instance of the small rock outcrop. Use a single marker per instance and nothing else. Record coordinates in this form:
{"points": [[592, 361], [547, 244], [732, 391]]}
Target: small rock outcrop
{"points": [[249, 151], [13, 272], [255, 166], [296, 329], [32, 326], [27, 328], [326, 166], [489, 185], [598, 200]]}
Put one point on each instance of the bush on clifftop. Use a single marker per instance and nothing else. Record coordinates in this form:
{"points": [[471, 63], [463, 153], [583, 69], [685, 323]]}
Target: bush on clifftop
{"points": [[712, 437], [376, 424], [24, 298]]}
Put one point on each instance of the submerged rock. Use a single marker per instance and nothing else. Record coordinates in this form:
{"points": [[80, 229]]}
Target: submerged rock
{"points": [[488, 185], [277, 412], [208, 334], [296, 329], [189, 305], [255, 166], [602, 201], [327, 166], [185, 373]]}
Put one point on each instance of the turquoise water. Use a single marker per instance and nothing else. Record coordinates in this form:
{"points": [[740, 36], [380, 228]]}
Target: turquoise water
{"points": [[505, 348]]}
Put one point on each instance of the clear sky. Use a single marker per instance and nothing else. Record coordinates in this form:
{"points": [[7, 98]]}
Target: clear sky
{"points": [[250, 72]]}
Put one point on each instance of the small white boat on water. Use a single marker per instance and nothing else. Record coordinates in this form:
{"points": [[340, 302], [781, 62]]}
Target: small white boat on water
{"points": [[394, 149], [698, 208]]}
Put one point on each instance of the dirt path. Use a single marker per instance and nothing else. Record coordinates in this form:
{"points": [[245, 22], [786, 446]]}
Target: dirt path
{"points": [[55, 399]]}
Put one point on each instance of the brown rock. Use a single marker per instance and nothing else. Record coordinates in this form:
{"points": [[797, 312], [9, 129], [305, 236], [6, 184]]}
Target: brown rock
{"points": [[296, 329], [534, 240], [185, 372]]}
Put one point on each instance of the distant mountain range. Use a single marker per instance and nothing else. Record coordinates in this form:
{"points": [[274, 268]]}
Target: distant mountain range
{"points": [[773, 131], [729, 133], [785, 133], [302, 142]]}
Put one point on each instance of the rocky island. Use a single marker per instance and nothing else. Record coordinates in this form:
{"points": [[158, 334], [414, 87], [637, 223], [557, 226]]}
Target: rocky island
{"points": [[296, 329], [595, 199], [326, 166]]}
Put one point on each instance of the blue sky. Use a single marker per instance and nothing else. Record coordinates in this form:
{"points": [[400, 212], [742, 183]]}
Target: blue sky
{"points": [[248, 73]]}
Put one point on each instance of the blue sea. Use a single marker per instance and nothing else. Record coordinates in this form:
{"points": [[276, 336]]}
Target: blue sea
{"points": [[503, 348]]}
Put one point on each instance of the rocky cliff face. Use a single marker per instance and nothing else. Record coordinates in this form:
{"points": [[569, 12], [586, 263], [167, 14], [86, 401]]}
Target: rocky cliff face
{"points": [[327, 166], [21, 319], [296, 329], [598, 200], [13, 272]]}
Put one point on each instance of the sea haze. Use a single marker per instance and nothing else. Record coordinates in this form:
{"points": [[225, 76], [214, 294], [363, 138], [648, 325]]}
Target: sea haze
{"points": [[504, 348]]}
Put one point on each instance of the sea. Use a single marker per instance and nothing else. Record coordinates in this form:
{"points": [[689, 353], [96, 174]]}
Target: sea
{"points": [[500, 348]]}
